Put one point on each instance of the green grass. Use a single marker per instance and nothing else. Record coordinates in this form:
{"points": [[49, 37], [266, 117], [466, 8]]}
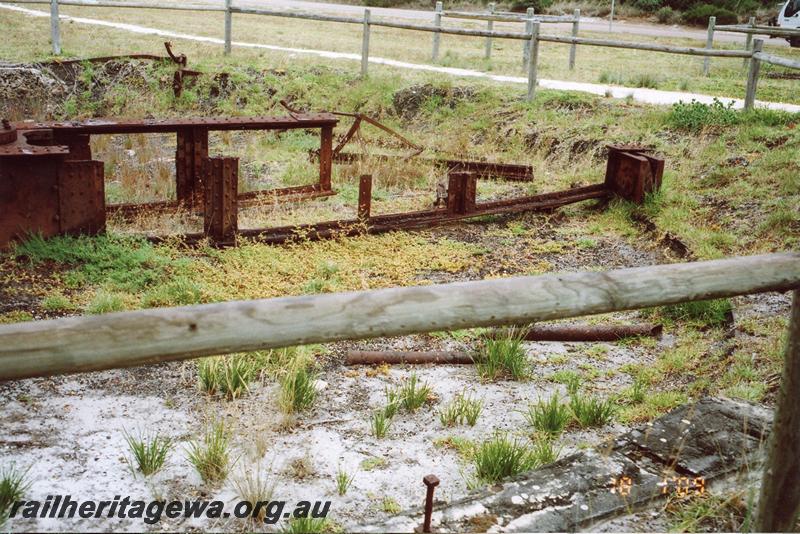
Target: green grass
{"points": [[57, 303], [254, 486], [590, 411], [297, 391], [549, 417], [413, 394], [711, 313], [149, 451], [305, 525], [710, 512], [503, 356], [463, 410], [229, 376], [343, 481], [379, 424], [501, 457], [211, 455], [14, 483]]}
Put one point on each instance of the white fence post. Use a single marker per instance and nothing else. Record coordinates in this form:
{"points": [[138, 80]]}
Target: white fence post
{"points": [[573, 48], [533, 60], [490, 27], [611, 18], [228, 22], [712, 22], [752, 76], [365, 45], [748, 40], [526, 45], [55, 30], [437, 21]]}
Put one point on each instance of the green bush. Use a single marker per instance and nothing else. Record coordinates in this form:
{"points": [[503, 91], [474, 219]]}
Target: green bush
{"points": [[538, 6], [711, 313], [665, 15], [383, 3], [696, 115], [699, 13], [648, 6]]}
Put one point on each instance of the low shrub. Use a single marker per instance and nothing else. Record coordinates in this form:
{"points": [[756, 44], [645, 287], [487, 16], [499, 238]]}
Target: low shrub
{"points": [[648, 6], [699, 13], [695, 115], [666, 15], [538, 6], [711, 313]]}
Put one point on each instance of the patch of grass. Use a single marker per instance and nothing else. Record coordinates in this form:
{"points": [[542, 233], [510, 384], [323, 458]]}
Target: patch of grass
{"points": [[645, 80], [390, 506], [463, 409], [106, 302], [211, 455], [549, 417], [711, 513], [503, 356], [343, 481], [57, 302], [149, 451], [180, 291], [14, 483], [305, 525], [710, 313], [591, 411], [654, 405], [226, 375], [379, 424], [463, 446], [392, 402], [413, 394], [297, 391], [569, 378], [373, 463], [501, 457]]}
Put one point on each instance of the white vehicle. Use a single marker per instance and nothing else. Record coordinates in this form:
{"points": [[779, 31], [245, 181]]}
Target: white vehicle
{"points": [[789, 18]]}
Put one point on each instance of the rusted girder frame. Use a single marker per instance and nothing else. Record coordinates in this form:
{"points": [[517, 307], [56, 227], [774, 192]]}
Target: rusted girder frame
{"points": [[394, 357], [505, 171]]}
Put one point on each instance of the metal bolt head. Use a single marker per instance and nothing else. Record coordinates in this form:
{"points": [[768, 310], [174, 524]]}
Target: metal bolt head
{"points": [[6, 124], [431, 481]]}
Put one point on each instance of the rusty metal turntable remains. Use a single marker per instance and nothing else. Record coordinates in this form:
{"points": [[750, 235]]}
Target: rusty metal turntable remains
{"points": [[49, 183]]}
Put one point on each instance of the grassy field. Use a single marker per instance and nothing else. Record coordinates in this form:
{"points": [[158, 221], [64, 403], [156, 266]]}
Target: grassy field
{"points": [[731, 187], [594, 64]]}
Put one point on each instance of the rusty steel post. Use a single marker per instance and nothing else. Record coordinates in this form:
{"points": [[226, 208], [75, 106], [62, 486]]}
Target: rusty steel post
{"points": [[592, 332], [220, 219], [461, 192], [325, 157], [364, 197], [430, 481]]}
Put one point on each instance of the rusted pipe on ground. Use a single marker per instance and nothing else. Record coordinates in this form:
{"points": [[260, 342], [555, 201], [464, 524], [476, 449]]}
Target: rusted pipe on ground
{"points": [[582, 332], [394, 357]]}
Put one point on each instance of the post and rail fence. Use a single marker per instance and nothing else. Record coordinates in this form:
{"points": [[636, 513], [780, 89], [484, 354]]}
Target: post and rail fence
{"points": [[125, 339], [531, 37]]}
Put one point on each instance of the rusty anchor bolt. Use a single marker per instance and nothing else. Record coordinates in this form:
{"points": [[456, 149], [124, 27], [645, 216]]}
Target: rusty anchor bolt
{"points": [[430, 481]]}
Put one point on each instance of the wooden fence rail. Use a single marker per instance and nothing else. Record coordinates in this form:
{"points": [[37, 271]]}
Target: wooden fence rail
{"points": [[529, 37]]}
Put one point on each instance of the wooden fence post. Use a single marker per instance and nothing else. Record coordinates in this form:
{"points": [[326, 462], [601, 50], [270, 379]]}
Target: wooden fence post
{"points": [[573, 48], [712, 22], [365, 45], [489, 27], [526, 45], [533, 61], [55, 30], [752, 76], [748, 40], [228, 23], [779, 504], [437, 21]]}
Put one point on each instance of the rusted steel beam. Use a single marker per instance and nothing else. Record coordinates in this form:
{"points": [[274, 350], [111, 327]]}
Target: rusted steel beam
{"points": [[364, 197], [325, 157], [221, 178], [395, 357], [632, 173]]}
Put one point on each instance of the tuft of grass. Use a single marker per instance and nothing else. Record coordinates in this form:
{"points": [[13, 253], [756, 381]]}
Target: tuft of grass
{"points": [[297, 388], [549, 417], [229, 376], [392, 402], [13, 485], [253, 487], [56, 303], [343, 481], [502, 457], [390, 506], [710, 313], [544, 451], [105, 302], [379, 424], [461, 410], [211, 456], [149, 451], [591, 411], [413, 395], [305, 525], [503, 356], [711, 513]]}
